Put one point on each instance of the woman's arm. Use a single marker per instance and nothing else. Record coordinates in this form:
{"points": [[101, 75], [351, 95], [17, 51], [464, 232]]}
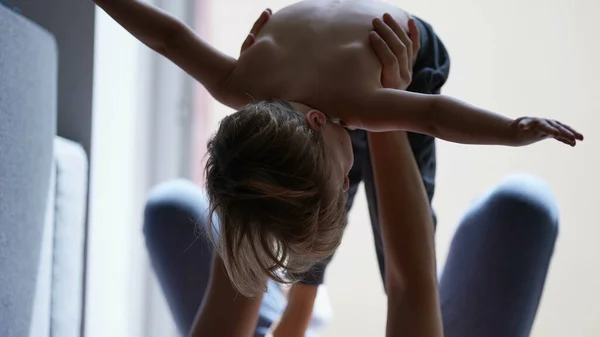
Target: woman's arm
{"points": [[224, 312], [453, 120], [174, 40], [408, 238], [298, 313], [395, 49]]}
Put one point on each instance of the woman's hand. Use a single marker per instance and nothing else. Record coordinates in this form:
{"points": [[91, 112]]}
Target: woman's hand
{"points": [[397, 50], [262, 19]]}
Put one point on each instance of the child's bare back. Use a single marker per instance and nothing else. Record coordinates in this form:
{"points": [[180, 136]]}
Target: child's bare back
{"points": [[315, 52]]}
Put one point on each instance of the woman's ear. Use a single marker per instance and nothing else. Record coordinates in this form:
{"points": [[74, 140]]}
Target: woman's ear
{"points": [[315, 119]]}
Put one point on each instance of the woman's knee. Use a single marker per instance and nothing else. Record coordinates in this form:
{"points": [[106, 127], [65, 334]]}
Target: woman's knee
{"points": [[174, 201], [499, 259], [180, 256], [524, 200], [524, 192]]}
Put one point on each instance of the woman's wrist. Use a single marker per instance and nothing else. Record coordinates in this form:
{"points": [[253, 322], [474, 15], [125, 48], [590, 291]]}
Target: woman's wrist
{"points": [[298, 314]]}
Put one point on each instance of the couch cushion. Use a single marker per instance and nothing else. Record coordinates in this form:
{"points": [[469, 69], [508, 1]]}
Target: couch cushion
{"points": [[69, 231]]}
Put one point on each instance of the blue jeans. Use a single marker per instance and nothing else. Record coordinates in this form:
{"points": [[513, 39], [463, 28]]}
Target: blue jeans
{"points": [[491, 285]]}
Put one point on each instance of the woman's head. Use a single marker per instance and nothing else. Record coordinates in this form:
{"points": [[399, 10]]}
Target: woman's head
{"points": [[276, 177]]}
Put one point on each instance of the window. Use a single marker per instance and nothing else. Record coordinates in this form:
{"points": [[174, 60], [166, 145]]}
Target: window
{"points": [[140, 138], [224, 24]]}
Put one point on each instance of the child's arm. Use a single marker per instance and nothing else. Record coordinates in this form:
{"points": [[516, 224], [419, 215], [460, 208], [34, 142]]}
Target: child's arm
{"points": [[174, 40], [408, 238], [456, 121], [299, 312]]}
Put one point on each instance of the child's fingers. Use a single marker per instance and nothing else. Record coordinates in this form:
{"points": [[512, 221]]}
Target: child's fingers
{"points": [[578, 135], [566, 141], [549, 130], [566, 133]]}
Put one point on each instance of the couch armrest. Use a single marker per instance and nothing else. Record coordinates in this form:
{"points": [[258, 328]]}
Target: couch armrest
{"points": [[28, 99]]}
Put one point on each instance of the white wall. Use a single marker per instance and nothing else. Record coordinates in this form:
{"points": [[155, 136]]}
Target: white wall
{"points": [[518, 58]]}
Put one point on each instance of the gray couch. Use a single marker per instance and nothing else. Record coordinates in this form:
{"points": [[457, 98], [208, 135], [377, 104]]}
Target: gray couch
{"points": [[43, 188]]}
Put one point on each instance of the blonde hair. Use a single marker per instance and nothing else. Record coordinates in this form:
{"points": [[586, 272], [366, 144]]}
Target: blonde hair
{"points": [[267, 179]]}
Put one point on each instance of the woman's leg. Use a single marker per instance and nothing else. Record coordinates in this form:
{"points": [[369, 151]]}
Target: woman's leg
{"points": [[498, 261], [181, 255]]}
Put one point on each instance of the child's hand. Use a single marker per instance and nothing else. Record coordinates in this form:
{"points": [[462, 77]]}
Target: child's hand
{"points": [[531, 130], [262, 19], [396, 49]]}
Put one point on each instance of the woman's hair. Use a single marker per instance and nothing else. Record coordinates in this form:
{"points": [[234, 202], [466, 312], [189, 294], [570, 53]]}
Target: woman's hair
{"points": [[267, 179]]}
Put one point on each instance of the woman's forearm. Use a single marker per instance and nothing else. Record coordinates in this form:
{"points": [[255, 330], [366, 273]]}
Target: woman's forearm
{"points": [[408, 238], [414, 312], [404, 210], [298, 314], [223, 305]]}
